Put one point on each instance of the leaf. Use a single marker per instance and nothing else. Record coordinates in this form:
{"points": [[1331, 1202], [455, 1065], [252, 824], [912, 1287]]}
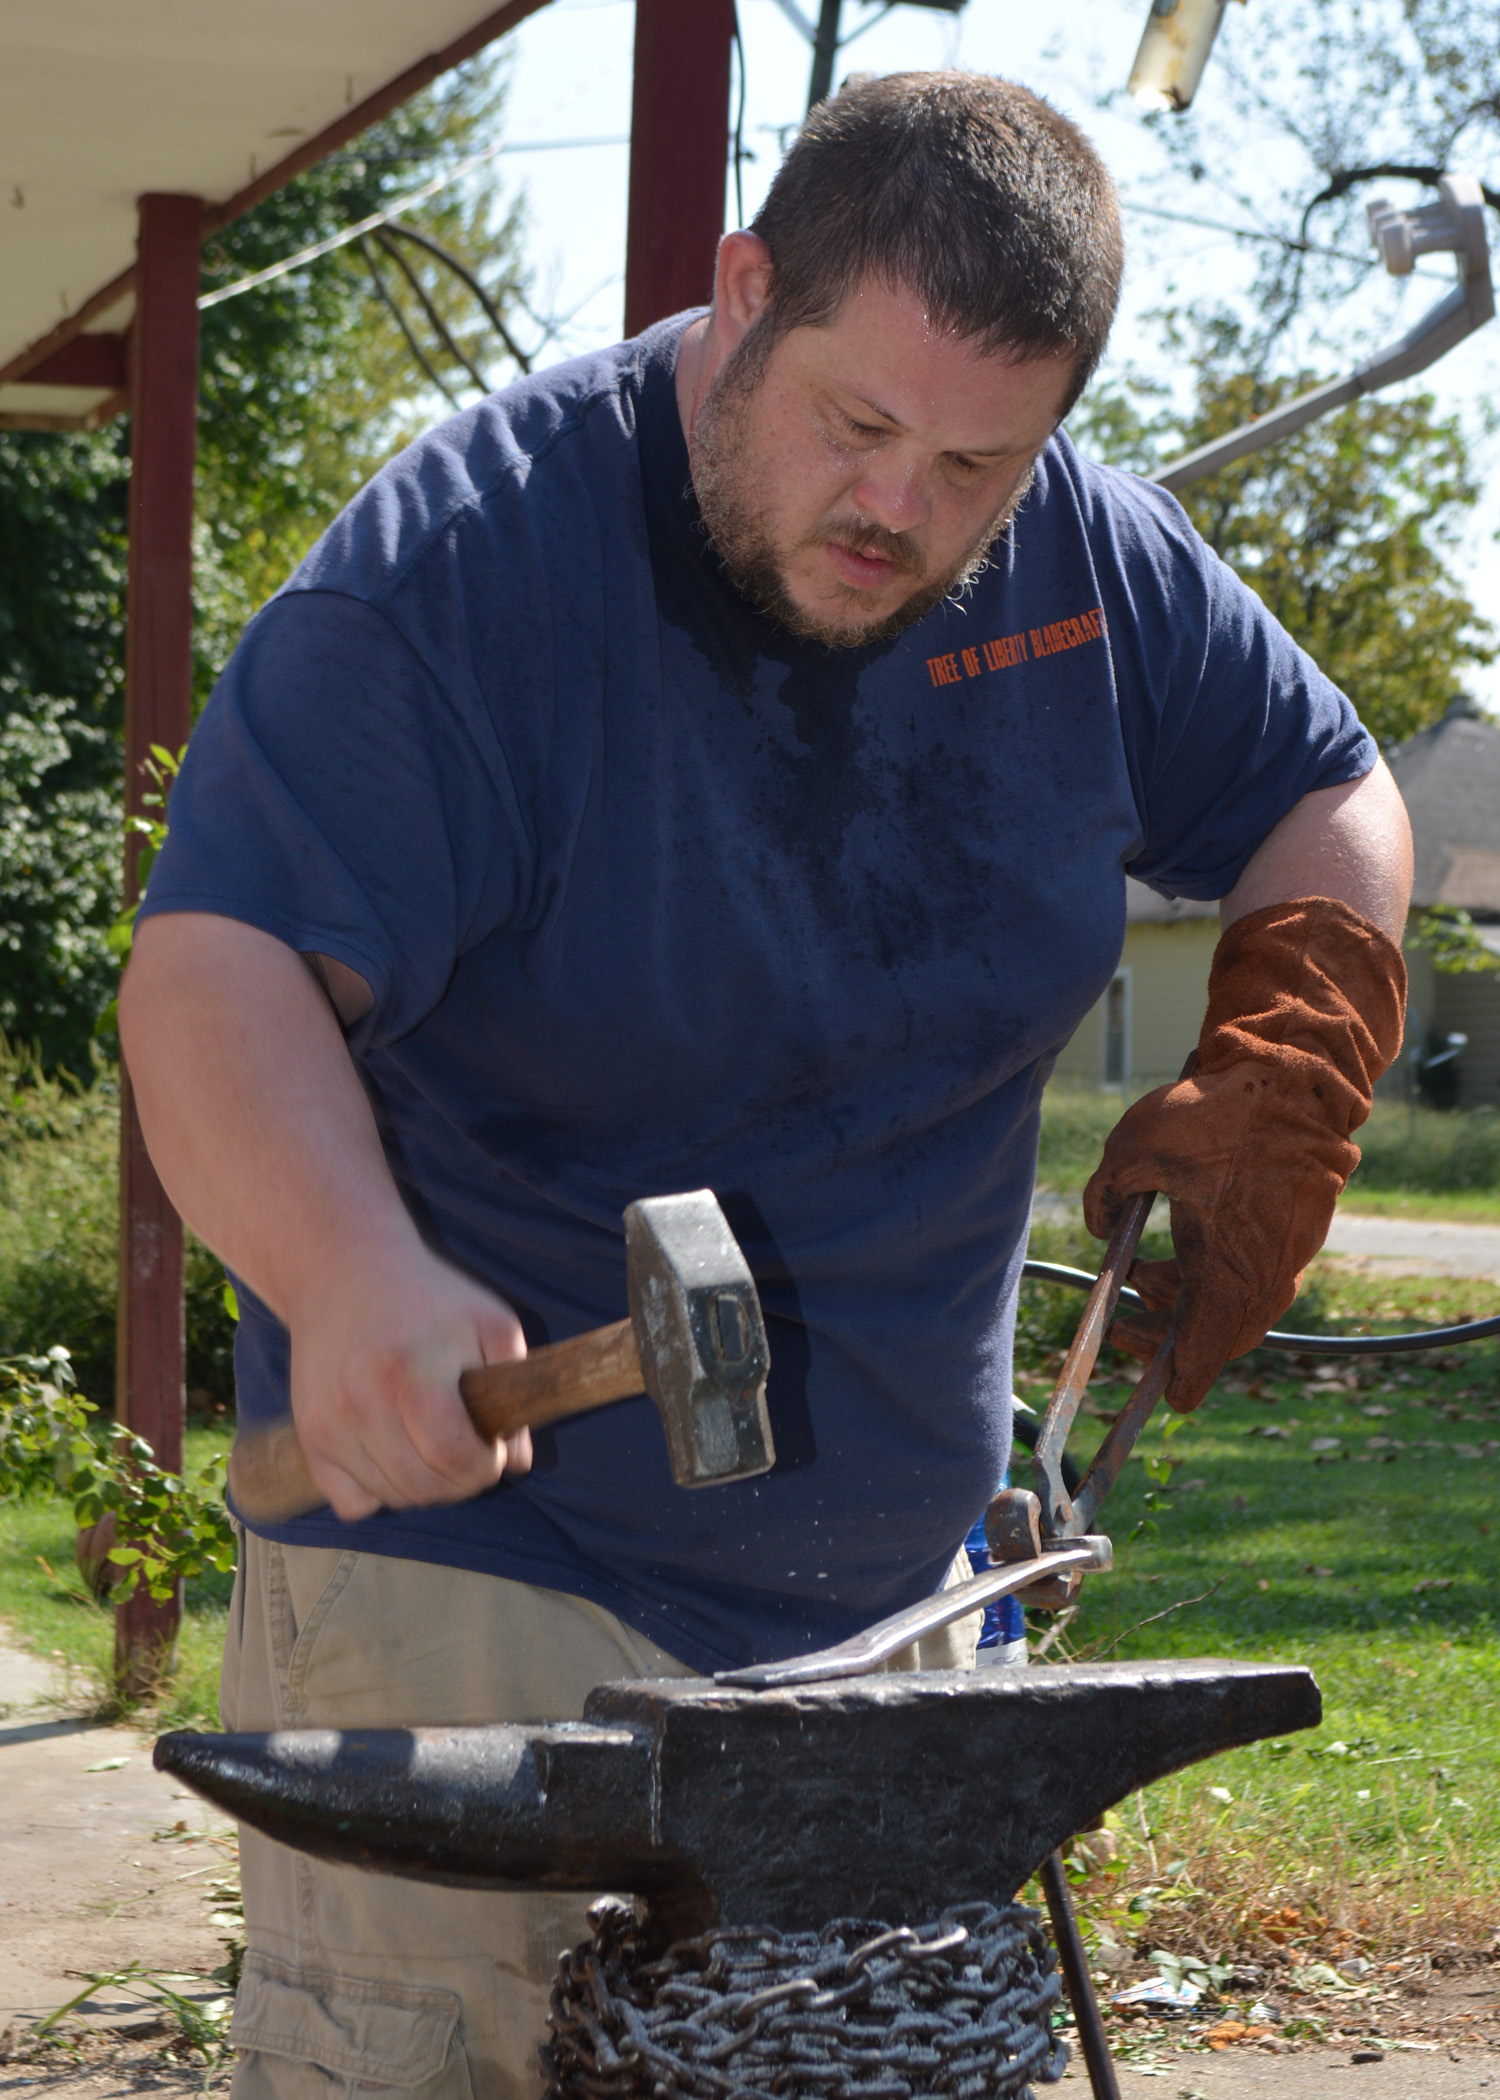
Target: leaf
{"points": [[108, 1764]]}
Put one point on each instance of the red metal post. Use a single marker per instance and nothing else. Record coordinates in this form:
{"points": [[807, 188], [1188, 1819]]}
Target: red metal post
{"points": [[158, 710], [679, 154]]}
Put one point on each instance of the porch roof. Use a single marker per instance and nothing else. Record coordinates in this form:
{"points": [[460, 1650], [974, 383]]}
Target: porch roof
{"points": [[102, 101]]}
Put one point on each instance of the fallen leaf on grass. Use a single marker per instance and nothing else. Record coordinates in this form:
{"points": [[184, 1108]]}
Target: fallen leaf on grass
{"points": [[1434, 1582], [1319, 1574], [1325, 1443], [1269, 1429]]}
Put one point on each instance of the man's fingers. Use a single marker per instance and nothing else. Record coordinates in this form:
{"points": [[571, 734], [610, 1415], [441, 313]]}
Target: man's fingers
{"points": [[347, 1498], [1185, 1395], [1102, 1205], [1139, 1334], [518, 1453], [1157, 1282]]}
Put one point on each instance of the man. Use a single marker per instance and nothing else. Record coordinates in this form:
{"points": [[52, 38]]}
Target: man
{"points": [[716, 762]]}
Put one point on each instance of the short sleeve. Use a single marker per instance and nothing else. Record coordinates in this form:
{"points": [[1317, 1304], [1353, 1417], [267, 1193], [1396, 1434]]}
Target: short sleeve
{"points": [[1227, 722], [337, 797]]}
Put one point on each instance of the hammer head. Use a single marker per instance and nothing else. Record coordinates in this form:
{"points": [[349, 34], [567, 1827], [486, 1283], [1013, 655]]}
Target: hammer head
{"points": [[701, 1336]]}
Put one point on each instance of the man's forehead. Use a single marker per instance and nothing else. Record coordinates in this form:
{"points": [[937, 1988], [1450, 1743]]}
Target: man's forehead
{"points": [[883, 350]]}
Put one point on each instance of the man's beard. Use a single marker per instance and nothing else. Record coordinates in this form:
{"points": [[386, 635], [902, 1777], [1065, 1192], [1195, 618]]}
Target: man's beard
{"points": [[735, 521]]}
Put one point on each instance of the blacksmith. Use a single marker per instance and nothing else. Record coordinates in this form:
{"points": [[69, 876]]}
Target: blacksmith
{"points": [[716, 762]]}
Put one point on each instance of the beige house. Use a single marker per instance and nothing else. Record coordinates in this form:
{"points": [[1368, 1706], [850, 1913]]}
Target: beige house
{"points": [[1449, 776], [1141, 1030]]}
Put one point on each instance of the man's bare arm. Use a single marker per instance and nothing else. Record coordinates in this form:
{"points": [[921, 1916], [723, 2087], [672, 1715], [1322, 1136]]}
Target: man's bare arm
{"points": [[1352, 843], [265, 1141]]}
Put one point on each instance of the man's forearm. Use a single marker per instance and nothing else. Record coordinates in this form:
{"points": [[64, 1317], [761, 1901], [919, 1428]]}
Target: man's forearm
{"points": [[251, 1106], [1351, 843], [264, 1140]]}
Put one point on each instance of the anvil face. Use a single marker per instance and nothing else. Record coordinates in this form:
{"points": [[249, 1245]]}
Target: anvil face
{"points": [[886, 1796]]}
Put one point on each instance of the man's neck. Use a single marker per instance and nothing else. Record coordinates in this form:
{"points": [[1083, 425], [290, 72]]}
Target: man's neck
{"points": [[695, 369]]}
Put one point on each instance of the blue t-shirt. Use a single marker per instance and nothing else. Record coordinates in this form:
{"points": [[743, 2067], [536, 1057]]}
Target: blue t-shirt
{"points": [[652, 896]]}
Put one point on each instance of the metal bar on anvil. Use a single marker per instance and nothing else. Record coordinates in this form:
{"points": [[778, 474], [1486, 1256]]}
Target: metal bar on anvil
{"points": [[887, 1796]]}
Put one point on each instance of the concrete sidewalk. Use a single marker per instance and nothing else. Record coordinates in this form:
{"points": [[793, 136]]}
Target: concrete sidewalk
{"points": [[103, 1860], [1416, 1246], [1386, 1246]]}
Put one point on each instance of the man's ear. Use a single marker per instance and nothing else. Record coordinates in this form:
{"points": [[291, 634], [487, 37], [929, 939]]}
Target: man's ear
{"points": [[742, 287]]}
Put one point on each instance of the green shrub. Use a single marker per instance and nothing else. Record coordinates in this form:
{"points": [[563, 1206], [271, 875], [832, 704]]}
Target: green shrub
{"points": [[59, 1259], [166, 1526], [1428, 1150]]}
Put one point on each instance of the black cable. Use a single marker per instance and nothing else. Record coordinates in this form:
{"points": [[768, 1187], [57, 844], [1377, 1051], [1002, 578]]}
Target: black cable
{"points": [[1298, 1344], [739, 129]]}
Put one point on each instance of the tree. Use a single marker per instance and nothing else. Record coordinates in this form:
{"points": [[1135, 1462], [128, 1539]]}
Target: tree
{"points": [[1308, 110], [1343, 530], [62, 592], [306, 385]]}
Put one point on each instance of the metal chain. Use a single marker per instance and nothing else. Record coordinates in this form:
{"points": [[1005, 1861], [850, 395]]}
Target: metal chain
{"points": [[859, 2011]]}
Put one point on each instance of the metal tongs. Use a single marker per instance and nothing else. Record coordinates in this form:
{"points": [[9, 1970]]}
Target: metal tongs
{"points": [[1042, 1542]]}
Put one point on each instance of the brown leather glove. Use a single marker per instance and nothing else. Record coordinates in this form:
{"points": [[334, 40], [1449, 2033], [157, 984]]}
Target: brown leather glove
{"points": [[1305, 1009]]}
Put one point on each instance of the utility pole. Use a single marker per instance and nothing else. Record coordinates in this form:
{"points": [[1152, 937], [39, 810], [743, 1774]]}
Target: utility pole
{"points": [[826, 40], [825, 45]]}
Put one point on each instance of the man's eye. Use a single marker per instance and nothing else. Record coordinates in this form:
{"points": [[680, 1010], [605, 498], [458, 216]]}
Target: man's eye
{"points": [[864, 430]]}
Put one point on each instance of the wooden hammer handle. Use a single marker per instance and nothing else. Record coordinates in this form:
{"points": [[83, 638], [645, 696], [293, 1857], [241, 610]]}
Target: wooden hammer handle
{"points": [[268, 1471]]}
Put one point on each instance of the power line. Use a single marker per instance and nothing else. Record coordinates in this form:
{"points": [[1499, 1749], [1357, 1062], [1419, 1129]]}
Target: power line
{"points": [[1243, 233], [392, 211]]}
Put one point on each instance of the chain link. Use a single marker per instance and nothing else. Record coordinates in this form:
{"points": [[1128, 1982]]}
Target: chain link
{"points": [[859, 2011]]}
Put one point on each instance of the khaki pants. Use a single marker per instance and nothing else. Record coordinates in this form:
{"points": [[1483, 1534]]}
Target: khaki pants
{"points": [[357, 1982]]}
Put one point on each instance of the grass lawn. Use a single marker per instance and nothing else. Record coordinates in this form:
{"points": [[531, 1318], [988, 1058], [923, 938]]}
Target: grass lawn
{"points": [[46, 1607]]}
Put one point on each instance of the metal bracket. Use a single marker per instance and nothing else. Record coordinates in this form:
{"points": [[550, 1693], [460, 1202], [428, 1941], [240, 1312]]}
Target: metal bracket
{"points": [[1454, 225]]}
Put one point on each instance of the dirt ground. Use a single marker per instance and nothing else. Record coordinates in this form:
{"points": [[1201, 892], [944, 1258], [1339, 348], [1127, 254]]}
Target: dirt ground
{"points": [[103, 1861]]}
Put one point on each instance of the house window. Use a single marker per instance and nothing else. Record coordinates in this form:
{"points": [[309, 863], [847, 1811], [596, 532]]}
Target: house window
{"points": [[1117, 1030]]}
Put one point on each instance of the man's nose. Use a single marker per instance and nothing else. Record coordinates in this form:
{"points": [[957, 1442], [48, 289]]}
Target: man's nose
{"points": [[895, 497]]}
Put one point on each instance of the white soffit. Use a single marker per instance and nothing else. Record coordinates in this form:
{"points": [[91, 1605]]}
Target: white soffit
{"points": [[102, 100]]}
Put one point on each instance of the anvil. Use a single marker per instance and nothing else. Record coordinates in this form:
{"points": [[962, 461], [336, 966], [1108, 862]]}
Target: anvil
{"points": [[877, 1797]]}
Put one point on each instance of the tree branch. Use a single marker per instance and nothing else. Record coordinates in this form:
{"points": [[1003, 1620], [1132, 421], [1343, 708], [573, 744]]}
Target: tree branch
{"points": [[440, 326], [461, 269], [384, 294]]}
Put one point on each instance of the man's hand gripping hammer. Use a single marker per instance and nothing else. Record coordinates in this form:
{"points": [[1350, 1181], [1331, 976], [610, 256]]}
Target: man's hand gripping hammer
{"points": [[695, 1341]]}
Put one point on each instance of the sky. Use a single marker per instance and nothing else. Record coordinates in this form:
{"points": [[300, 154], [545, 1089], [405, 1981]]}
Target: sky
{"points": [[571, 79]]}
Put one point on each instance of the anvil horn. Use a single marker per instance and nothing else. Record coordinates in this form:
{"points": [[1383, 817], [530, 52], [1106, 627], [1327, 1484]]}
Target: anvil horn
{"points": [[887, 1796]]}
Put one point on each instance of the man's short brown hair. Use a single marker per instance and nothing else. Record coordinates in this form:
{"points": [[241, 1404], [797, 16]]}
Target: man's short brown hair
{"points": [[970, 191]]}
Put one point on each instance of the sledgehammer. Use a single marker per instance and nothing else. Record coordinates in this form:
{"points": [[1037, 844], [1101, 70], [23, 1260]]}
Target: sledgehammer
{"points": [[695, 1341]]}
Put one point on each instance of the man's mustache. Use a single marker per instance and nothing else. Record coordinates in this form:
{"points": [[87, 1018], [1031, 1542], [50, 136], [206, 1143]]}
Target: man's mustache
{"points": [[863, 536]]}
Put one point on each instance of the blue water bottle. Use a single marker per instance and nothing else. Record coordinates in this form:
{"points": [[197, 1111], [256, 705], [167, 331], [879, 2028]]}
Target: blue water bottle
{"points": [[1002, 1638]]}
